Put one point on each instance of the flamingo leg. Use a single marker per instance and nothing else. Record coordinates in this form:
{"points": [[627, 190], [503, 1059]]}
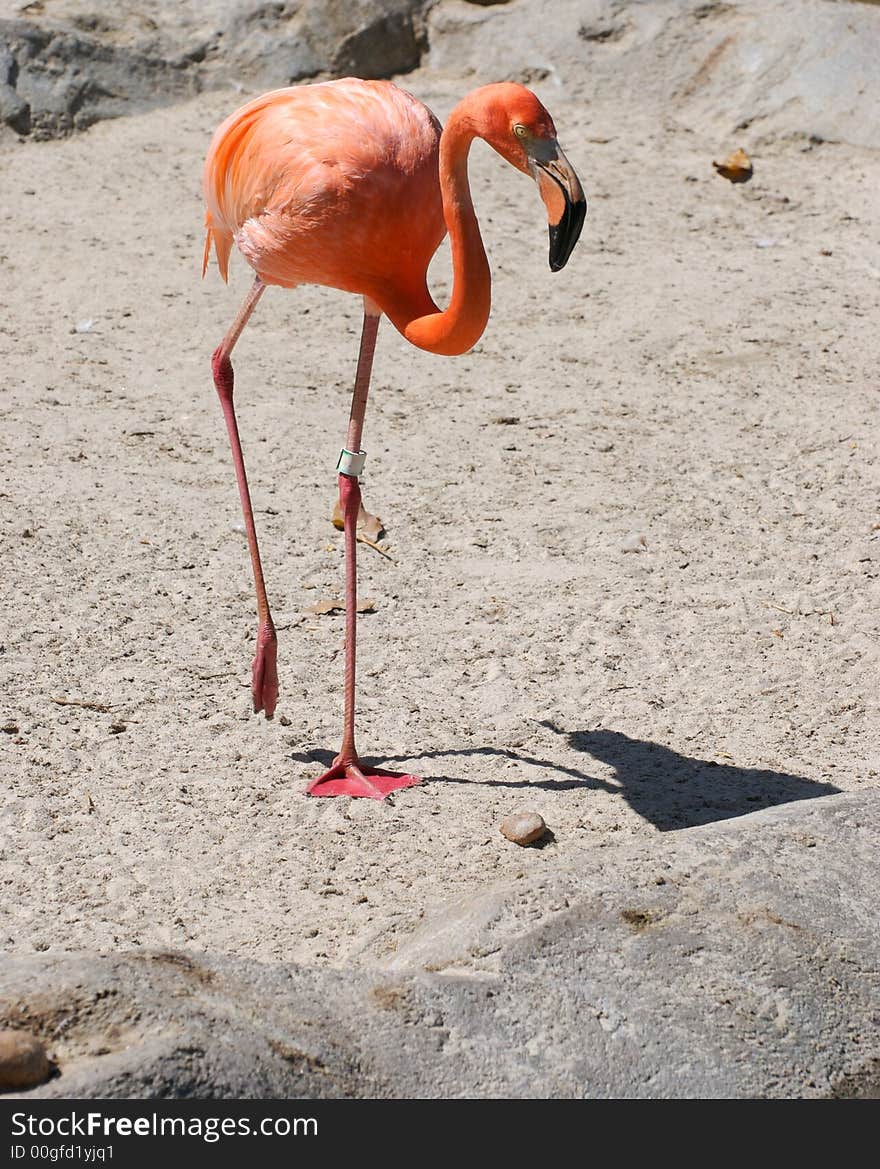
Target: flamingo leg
{"points": [[264, 674], [349, 776]]}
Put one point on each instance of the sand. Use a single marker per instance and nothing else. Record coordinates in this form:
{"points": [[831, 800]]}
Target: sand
{"points": [[634, 536]]}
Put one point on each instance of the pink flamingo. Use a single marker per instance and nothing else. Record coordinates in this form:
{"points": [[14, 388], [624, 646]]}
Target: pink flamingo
{"points": [[352, 184]]}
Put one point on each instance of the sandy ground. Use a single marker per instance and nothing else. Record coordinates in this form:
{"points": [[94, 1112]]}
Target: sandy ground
{"points": [[703, 374]]}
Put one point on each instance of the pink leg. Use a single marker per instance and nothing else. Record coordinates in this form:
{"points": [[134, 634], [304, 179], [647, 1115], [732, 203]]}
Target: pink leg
{"points": [[348, 776], [264, 679]]}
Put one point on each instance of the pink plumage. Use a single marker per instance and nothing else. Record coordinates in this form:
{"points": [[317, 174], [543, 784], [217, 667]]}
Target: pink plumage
{"points": [[335, 183]]}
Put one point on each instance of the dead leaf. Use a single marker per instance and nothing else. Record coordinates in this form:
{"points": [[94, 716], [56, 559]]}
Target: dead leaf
{"points": [[368, 524], [370, 528], [736, 168], [324, 607]]}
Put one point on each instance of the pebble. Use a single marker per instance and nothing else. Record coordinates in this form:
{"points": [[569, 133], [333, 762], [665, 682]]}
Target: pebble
{"points": [[523, 827], [23, 1061]]}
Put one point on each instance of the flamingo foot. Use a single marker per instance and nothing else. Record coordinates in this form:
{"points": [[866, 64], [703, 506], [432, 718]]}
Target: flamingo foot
{"points": [[356, 779], [264, 675]]}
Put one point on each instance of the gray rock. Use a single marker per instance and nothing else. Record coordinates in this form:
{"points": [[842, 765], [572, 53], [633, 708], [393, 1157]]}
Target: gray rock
{"points": [[766, 67], [367, 38], [737, 959], [80, 63], [61, 80], [776, 67]]}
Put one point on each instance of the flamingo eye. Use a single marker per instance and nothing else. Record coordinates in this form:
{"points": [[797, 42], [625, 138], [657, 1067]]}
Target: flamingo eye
{"points": [[520, 131]]}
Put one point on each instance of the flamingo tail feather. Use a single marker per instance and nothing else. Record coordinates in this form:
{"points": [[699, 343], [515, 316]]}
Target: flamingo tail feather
{"points": [[222, 241]]}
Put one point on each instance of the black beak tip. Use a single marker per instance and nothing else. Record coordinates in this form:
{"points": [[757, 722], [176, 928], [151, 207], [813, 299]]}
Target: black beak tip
{"points": [[566, 233]]}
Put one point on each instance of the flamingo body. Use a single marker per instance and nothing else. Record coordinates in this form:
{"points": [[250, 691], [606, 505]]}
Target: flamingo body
{"points": [[335, 184]]}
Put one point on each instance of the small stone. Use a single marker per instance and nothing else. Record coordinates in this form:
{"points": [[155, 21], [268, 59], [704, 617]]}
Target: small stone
{"points": [[23, 1061], [523, 827]]}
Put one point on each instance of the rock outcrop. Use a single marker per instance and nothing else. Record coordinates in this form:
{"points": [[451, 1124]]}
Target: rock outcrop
{"points": [[732, 960], [67, 65], [728, 65]]}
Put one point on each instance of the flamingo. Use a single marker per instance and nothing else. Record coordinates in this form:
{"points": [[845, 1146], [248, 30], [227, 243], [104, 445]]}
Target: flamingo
{"points": [[354, 184]]}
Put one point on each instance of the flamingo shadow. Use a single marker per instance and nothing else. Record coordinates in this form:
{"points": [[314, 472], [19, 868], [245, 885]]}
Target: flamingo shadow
{"points": [[677, 791], [577, 778], [668, 789]]}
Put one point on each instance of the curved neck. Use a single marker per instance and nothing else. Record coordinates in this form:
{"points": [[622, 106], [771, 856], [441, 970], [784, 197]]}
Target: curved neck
{"points": [[461, 325]]}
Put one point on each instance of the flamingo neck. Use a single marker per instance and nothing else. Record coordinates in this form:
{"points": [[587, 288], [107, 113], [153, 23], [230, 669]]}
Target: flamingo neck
{"points": [[460, 326]]}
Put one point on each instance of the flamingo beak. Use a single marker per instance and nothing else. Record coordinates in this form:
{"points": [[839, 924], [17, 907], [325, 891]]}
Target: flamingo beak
{"points": [[563, 197]]}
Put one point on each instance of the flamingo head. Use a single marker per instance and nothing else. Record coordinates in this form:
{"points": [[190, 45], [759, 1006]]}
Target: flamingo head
{"points": [[518, 126]]}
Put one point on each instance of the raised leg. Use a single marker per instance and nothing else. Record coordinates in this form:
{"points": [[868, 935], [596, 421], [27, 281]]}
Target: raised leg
{"points": [[264, 677], [348, 776]]}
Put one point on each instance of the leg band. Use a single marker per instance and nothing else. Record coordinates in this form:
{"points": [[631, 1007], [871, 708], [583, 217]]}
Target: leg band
{"points": [[351, 462]]}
